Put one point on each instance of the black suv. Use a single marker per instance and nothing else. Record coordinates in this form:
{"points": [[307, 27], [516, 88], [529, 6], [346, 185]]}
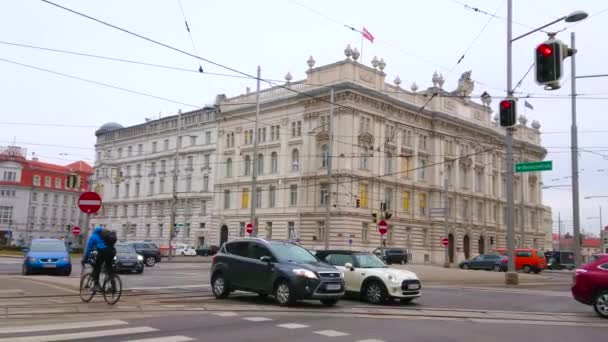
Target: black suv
{"points": [[149, 250], [285, 270], [392, 255]]}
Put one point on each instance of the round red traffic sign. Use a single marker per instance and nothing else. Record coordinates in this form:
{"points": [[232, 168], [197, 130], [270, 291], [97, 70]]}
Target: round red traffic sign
{"points": [[249, 228], [382, 227], [445, 242], [89, 202], [75, 230]]}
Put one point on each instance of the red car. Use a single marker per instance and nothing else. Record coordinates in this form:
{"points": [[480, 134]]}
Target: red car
{"points": [[590, 285]]}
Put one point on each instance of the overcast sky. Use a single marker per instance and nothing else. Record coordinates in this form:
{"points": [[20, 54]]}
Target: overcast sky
{"points": [[415, 38]]}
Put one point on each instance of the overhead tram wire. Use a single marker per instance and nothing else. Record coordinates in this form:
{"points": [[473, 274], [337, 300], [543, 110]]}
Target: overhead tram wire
{"points": [[99, 83], [200, 67]]}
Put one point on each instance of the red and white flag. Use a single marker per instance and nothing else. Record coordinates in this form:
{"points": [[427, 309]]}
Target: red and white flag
{"points": [[367, 35]]}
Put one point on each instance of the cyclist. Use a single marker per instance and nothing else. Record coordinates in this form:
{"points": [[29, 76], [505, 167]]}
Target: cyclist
{"points": [[103, 241]]}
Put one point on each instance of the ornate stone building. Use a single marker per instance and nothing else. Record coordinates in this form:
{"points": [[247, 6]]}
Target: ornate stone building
{"points": [[388, 145]]}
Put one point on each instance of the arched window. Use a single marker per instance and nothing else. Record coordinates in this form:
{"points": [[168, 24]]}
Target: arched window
{"points": [[260, 164], [295, 160], [324, 156], [229, 167], [247, 166], [274, 163]]}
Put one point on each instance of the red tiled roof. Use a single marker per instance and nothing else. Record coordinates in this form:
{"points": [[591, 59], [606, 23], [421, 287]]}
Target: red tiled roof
{"points": [[587, 242]]}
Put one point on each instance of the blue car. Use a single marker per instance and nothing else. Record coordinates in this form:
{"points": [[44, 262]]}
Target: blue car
{"points": [[47, 256]]}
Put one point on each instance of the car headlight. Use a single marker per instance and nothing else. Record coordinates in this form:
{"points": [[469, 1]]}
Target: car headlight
{"points": [[305, 273], [115, 258], [65, 259], [140, 258], [31, 259], [341, 275], [392, 278]]}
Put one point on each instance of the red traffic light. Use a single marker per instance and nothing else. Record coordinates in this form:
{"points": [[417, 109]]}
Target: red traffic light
{"points": [[505, 104], [545, 50]]}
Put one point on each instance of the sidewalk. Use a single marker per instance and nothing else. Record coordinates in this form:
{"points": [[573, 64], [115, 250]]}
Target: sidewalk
{"points": [[434, 274]]}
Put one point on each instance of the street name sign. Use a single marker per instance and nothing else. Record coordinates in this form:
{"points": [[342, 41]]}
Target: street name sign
{"points": [[546, 165]]}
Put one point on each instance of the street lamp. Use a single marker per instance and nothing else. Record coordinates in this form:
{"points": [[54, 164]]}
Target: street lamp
{"points": [[511, 277]]}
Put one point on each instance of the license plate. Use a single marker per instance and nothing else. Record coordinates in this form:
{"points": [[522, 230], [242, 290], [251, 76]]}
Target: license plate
{"points": [[333, 287], [49, 266], [413, 286], [127, 264]]}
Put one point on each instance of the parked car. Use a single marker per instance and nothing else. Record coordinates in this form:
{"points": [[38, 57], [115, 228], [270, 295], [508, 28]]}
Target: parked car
{"points": [[47, 256], [127, 259], [206, 250], [392, 255], [527, 259], [494, 262], [183, 250], [149, 250], [285, 270], [367, 276], [590, 285], [558, 260]]}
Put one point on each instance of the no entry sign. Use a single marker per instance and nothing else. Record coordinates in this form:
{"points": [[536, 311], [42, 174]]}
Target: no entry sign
{"points": [[445, 242], [75, 230], [89, 202], [382, 227], [249, 228]]}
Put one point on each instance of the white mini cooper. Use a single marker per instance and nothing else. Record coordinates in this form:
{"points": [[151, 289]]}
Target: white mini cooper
{"points": [[367, 275]]}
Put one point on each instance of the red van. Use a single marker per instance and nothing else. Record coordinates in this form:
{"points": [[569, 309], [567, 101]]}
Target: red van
{"points": [[527, 259]]}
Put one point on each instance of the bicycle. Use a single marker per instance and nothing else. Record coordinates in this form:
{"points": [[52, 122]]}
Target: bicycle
{"points": [[111, 288]]}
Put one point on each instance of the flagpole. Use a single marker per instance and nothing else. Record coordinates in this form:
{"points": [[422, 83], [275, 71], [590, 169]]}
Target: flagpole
{"points": [[361, 47]]}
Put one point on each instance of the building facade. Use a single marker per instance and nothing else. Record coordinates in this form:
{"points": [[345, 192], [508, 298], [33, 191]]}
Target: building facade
{"points": [[386, 147], [134, 175], [35, 201]]}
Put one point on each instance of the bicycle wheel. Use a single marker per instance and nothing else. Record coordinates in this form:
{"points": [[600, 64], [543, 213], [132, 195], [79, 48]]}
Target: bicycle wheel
{"points": [[87, 289], [112, 289]]}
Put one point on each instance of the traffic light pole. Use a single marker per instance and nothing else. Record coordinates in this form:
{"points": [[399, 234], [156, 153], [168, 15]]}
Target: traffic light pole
{"points": [[174, 188], [446, 255], [511, 277], [574, 146], [329, 162], [254, 172]]}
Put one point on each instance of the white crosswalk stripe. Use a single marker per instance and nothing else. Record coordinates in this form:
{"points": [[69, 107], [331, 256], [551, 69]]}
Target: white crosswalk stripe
{"points": [[225, 314], [331, 333], [292, 326], [73, 331], [257, 319]]}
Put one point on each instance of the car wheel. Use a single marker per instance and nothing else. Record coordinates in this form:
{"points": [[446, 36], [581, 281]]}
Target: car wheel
{"points": [[375, 292], [465, 266], [150, 261], [496, 268], [329, 301], [284, 294], [406, 300], [220, 286], [601, 304], [527, 269], [25, 270]]}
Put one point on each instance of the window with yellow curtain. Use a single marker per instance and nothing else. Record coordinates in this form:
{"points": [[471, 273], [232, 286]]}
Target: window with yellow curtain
{"points": [[363, 195], [245, 199], [405, 167], [422, 204], [406, 201]]}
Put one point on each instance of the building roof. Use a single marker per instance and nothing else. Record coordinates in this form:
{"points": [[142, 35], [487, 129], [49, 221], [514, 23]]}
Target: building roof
{"points": [[108, 127], [566, 242]]}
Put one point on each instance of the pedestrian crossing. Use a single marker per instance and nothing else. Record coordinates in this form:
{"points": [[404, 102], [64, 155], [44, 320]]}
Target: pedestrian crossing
{"points": [[77, 331]]}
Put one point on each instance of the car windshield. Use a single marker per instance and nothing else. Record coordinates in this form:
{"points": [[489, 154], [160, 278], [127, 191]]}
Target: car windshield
{"points": [[292, 253], [369, 261], [47, 246], [125, 249]]}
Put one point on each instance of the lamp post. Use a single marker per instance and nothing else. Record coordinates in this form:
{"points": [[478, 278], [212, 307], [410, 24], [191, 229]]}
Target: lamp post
{"points": [[511, 277]]}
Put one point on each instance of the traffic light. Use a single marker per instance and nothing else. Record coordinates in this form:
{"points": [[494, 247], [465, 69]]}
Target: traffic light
{"points": [[375, 217], [387, 215], [357, 203], [549, 63], [508, 112]]}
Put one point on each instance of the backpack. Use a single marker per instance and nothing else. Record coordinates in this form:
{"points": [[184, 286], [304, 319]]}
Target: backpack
{"points": [[109, 237]]}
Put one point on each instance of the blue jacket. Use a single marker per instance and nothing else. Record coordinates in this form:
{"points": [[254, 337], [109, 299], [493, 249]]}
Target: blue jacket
{"points": [[95, 242]]}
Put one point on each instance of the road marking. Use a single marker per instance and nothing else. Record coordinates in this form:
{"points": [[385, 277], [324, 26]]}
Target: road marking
{"points": [[331, 333], [257, 319], [543, 323], [292, 326], [164, 339], [59, 326], [370, 340], [80, 335], [225, 314]]}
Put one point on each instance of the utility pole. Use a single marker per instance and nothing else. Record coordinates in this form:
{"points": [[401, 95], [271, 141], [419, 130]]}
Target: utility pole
{"points": [[559, 230], [523, 212], [174, 190], [446, 256], [254, 158], [329, 162], [511, 277], [574, 145], [601, 223]]}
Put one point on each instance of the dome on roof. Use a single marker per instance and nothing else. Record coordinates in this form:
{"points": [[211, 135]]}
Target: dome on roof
{"points": [[107, 127]]}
